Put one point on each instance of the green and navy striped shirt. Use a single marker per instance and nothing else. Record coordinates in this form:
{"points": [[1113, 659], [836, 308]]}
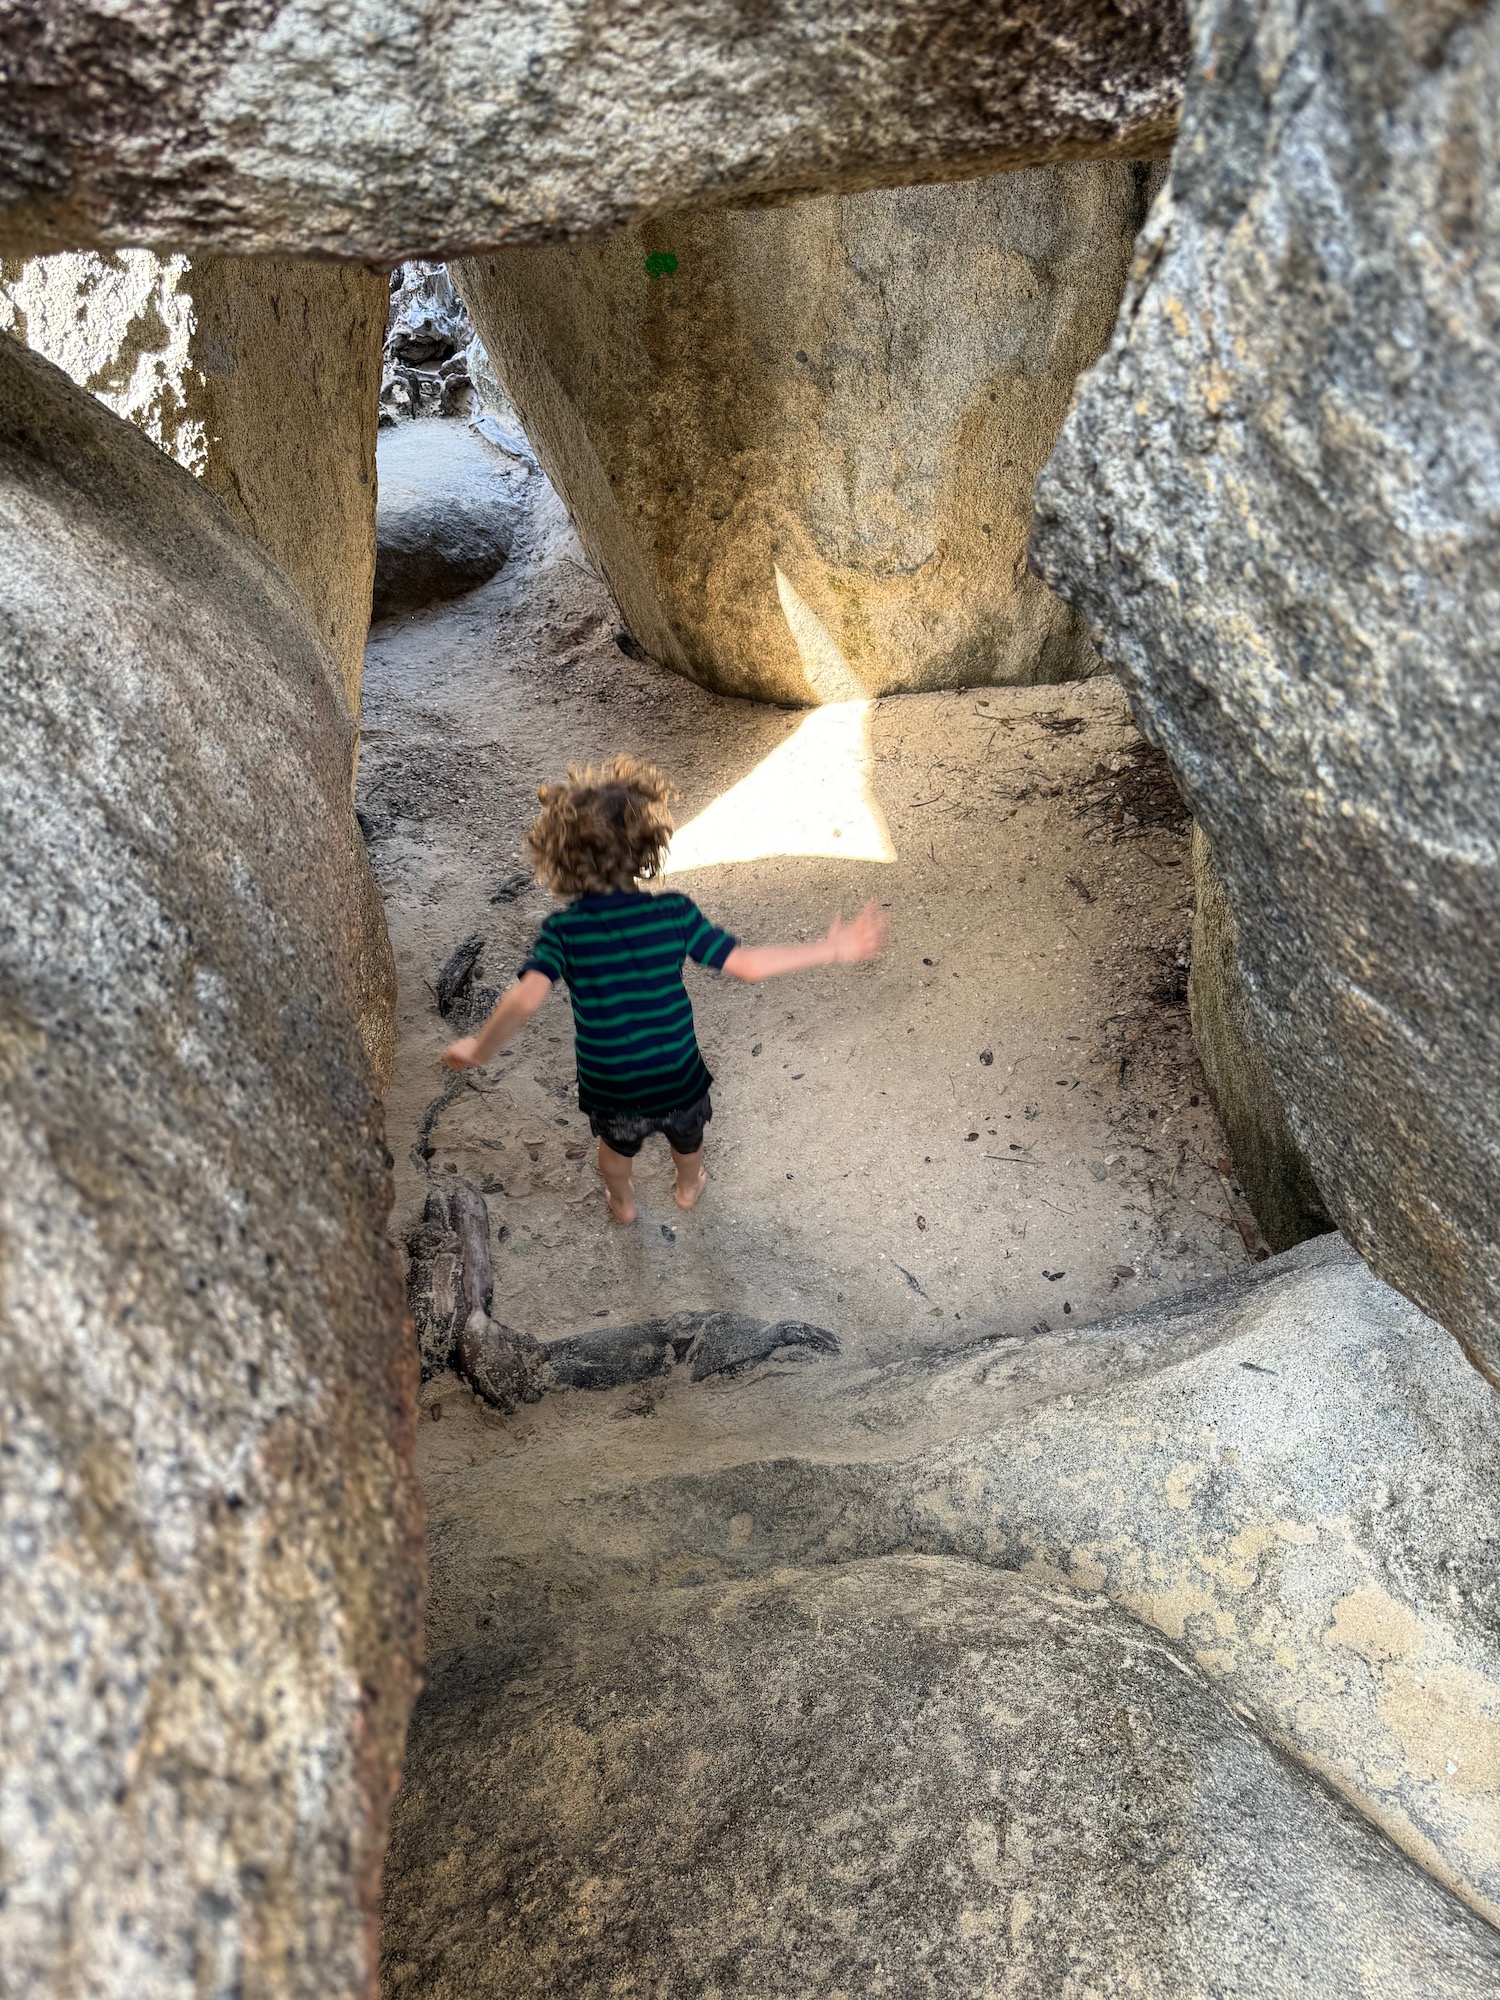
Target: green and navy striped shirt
{"points": [[621, 955]]}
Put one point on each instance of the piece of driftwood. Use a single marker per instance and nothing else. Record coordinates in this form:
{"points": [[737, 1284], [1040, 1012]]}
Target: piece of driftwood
{"points": [[451, 1287], [711, 1343]]}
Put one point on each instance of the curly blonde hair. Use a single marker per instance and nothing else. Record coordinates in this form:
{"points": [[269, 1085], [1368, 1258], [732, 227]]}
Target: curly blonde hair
{"points": [[606, 828]]}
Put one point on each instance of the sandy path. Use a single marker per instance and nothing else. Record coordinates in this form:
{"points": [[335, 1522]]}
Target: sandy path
{"points": [[871, 1169]]}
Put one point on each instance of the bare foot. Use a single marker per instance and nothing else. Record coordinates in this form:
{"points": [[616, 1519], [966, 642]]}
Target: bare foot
{"points": [[686, 1196], [621, 1212]]}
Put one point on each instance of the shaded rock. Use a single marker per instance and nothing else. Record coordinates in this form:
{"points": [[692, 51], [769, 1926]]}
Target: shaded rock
{"points": [[497, 423], [1277, 1180], [902, 1776], [258, 377], [802, 456], [1277, 504], [447, 515], [322, 132], [1287, 1479], [504, 1367], [495, 419], [211, 1563]]}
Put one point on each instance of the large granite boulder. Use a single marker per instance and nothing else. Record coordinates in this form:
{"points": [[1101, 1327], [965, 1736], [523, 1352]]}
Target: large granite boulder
{"points": [[801, 442], [449, 503], [347, 132], [260, 376], [1160, 1655], [210, 1536], [1278, 503], [900, 1777]]}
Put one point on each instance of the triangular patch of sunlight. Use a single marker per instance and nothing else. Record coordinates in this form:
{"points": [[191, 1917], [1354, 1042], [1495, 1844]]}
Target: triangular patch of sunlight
{"points": [[810, 796], [829, 674]]}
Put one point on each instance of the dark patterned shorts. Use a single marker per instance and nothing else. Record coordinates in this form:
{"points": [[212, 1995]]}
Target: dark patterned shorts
{"points": [[625, 1132]]}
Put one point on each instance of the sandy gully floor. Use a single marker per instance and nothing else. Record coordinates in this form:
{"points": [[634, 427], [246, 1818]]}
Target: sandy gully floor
{"points": [[1000, 1128]]}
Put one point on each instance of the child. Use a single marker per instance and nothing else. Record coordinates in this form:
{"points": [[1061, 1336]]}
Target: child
{"points": [[621, 949]]}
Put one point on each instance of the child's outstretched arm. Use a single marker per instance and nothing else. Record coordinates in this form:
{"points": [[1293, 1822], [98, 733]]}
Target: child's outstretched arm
{"points": [[844, 944], [516, 1007]]}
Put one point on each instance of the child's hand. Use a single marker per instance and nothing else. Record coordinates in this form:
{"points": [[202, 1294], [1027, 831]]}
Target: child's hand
{"points": [[462, 1054], [862, 937]]}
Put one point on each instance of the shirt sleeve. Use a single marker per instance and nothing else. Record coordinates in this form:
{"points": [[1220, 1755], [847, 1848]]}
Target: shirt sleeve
{"points": [[546, 955], [706, 943]]}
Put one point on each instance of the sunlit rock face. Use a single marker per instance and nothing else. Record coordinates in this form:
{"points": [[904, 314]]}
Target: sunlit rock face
{"points": [[210, 1538], [801, 442], [261, 377], [1278, 503], [354, 132]]}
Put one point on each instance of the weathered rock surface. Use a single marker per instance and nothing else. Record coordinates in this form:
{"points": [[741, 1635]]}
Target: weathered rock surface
{"points": [[903, 1776], [1278, 503], [210, 1535], [800, 443], [980, 1669], [449, 1274], [430, 353], [1277, 1180], [334, 132], [447, 514], [261, 377], [451, 1289]]}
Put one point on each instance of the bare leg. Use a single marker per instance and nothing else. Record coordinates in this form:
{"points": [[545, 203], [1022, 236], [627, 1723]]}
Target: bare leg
{"points": [[619, 1193], [692, 1176]]}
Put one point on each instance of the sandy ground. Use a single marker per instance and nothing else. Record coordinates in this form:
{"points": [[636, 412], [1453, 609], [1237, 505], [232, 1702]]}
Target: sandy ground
{"points": [[1000, 1128], [974, 1162]]}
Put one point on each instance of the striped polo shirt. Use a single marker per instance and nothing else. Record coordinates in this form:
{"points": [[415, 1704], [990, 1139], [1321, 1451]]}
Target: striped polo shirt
{"points": [[621, 955]]}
